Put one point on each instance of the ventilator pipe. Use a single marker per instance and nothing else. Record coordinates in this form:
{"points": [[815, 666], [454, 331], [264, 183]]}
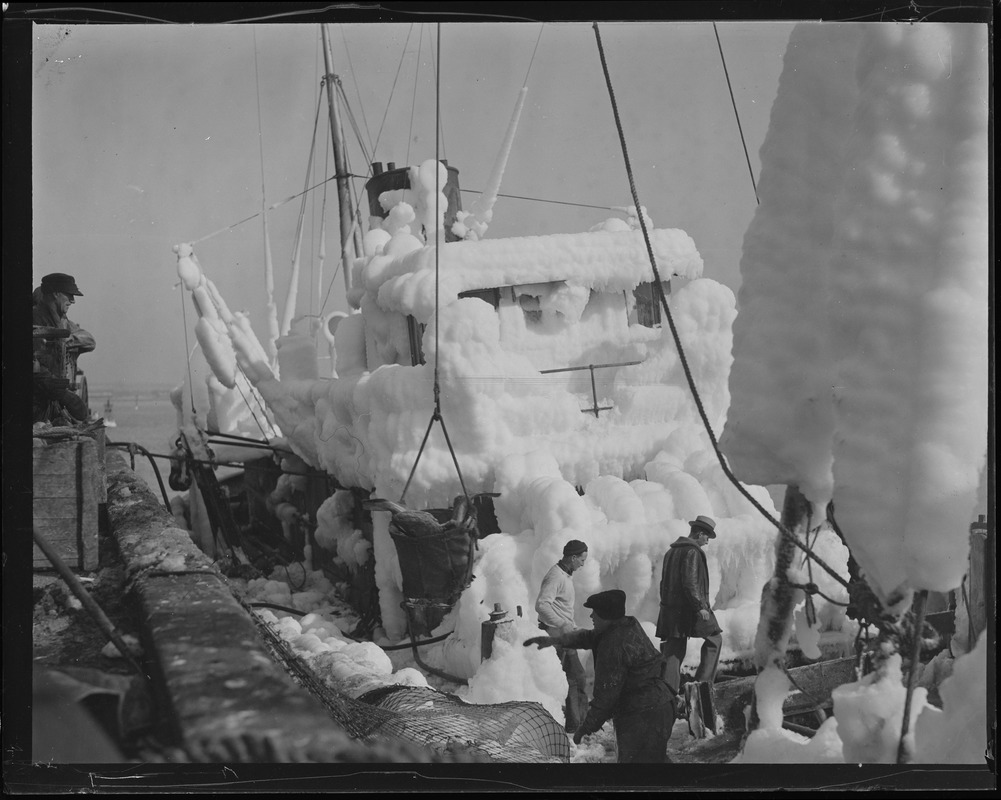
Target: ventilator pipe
{"points": [[488, 629]]}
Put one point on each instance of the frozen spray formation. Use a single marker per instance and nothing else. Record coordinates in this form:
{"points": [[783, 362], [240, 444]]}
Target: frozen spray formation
{"points": [[860, 351]]}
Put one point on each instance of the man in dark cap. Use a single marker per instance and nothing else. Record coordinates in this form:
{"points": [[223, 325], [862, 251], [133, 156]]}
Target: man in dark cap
{"points": [[555, 607], [50, 302], [51, 375], [685, 610], [629, 685]]}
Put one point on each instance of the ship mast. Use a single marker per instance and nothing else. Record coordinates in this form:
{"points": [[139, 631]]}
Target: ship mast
{"points": [[340, 163]]}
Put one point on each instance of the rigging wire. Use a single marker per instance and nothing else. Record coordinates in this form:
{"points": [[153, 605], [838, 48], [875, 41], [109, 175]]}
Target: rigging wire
{"points": [[735, 114], [435, 66], [274, 206], [184, 313], [353, 121], [188, 350], [413, 100], [392, 91], [327, 180], [260, 132], [532, 59], [297, 243], [439, 234], [544, 200], [783, 531], [312, 246], [354, 78], [356, 225], [246, 402], [323, 227]]}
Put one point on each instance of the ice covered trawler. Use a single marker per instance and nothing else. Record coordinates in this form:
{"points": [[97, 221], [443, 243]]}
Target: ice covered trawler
{"points": [[564, 413]]}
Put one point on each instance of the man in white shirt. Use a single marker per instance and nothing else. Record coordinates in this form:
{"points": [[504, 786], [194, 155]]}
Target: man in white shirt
{"points": [[555, 607]]}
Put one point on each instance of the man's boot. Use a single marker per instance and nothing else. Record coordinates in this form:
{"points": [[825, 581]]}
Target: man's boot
{"points": [[693, 705]]}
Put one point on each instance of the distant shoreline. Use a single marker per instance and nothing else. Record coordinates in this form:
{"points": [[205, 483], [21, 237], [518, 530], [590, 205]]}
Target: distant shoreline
{"points": [[155, 390]]}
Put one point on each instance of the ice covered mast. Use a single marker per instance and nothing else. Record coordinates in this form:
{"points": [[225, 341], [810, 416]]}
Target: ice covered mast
{"points": [[473, 225], [860, 350]]}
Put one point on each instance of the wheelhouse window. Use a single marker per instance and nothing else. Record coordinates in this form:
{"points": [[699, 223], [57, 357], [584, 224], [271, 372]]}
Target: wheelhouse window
{"points": [[531, 307], [415, 331], [491, 296], [647, 310]]}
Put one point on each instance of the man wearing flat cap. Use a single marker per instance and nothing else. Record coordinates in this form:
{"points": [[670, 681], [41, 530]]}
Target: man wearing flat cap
{"points": [[51, 378], [555, 607], [629, 685], [685, 610], [50, 302]]}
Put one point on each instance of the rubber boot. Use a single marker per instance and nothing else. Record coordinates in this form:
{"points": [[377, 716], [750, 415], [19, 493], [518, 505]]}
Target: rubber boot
{"points": [[693, 706]]}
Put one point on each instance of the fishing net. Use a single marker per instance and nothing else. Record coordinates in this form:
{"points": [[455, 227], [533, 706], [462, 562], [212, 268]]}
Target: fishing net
{"points": [[521, 732], [512, 731]]}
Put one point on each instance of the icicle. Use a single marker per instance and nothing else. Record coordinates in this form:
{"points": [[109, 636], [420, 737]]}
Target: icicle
{"points": [[269, 284], [293, 289], [481, 212], [319, 268], [224, 313]]}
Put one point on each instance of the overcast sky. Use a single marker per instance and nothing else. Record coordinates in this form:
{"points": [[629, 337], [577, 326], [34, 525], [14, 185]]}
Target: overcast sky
{"points": [[147, 135]]}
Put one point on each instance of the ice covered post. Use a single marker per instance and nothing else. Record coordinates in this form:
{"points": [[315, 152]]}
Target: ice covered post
{"points": [[860, 351], [909, 307], [781, 420]]}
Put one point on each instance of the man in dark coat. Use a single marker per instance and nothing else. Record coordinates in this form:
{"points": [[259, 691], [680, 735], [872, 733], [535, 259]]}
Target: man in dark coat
{"points": [[685, 610], [50, 302], [629, 686], [51, 378]]}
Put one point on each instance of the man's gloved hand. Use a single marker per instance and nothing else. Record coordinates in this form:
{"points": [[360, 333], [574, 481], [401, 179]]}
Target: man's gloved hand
{"points": [[577, 737], [704, 615], [541, 641]]}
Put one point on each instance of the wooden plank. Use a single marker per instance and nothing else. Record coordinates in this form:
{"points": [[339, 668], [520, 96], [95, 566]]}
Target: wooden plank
{"points": [[58, 508], [65, 477], [817, 680], [61, 533], [53, 487]]}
